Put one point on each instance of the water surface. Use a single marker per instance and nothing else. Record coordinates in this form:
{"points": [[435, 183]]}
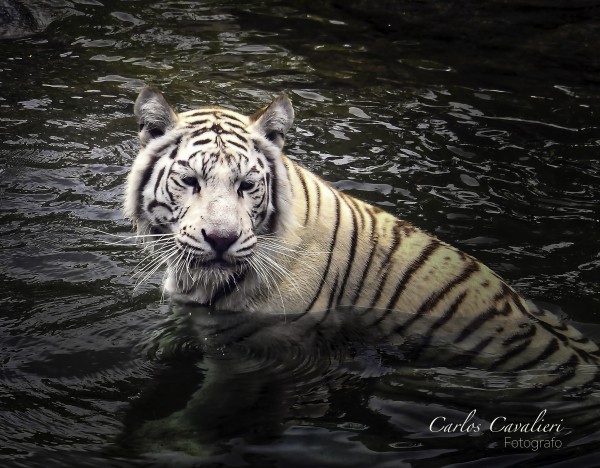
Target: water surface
{"points": [[478, 124]]}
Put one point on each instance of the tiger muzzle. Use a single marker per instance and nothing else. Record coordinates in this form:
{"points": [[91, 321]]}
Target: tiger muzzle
{"points": [[220, 241]]}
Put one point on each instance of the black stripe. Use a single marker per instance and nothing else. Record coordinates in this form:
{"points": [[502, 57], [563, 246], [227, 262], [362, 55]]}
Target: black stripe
{"points": [[252, 192], [483, 317], [510, 354], [353, 243], [236, 125], [365, 272], [274, 193], [567, 371], [194, 124], [318, 207], [231, 116], [271, 193], [550, 349], [428, 335], [314, 326], [159, 151], [414, 267], [231, 134], [331, 246], [263, 196], [581, 340], [306, 196], [321, 320], [357, 209], [174, 180], [531, 330], [178, 184], [386, 265], [154, 204], [247, 238], [561, 327], [195, 155], [244, 249], [238, 145], [517, 300], [448, 314], [585, 356], [301, 315], [332, 293], [554, 331], [199, 112], [158, 180], [465, 358], [202, 141], [434, 299], [220, 114], [169, 194], [286, 163]]}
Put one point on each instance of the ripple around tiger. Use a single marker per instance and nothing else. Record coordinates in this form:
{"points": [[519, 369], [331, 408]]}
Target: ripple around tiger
{"points": [[239, 226]]}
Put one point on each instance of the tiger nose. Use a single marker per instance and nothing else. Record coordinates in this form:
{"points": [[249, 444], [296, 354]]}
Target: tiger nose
{"points": [[220, 242]]}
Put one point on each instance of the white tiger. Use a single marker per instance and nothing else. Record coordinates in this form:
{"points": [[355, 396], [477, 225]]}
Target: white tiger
{"points": [[240, 226]]}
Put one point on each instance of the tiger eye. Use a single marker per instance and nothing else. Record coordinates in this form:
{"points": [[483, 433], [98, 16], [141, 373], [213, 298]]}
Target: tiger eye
{"points": [[192, 182], [247, 185], [244, 187]]}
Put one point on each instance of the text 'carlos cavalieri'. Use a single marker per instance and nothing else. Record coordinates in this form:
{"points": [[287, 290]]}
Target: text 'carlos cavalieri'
{"points": [[502, 425]]}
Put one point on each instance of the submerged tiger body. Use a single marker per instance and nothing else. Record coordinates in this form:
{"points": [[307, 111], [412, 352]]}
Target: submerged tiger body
{"points": [[240, 226]]}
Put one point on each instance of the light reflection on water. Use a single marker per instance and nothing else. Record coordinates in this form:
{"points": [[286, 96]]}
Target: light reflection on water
{"points": [[499, 157]]}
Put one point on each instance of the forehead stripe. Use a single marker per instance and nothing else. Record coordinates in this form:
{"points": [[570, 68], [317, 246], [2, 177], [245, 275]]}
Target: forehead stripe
{"points": [[197, 123], [234, 143], [202, 141], [236, 125], [220, 121], [217, 113], [199, 131]]}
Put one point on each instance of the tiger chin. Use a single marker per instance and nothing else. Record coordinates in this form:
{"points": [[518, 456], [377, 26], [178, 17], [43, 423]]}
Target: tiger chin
{"points": [[240, 226]]}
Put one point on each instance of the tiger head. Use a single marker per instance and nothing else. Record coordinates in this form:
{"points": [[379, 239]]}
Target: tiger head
{"points": [[211, 182]]}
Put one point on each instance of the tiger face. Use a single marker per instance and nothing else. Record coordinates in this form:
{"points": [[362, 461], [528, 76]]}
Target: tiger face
{"points": [[207, 180]]}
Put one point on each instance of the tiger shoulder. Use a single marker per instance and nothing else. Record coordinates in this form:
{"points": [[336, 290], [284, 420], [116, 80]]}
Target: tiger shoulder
{"points": [[240, 226]]}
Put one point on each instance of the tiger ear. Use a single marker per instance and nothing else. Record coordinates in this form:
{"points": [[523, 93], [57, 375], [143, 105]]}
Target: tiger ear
{"points": [[155, 115], [275, 120]]}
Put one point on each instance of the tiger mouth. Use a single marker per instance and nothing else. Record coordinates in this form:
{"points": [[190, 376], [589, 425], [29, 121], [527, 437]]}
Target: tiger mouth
{"points": [[215, 263]]}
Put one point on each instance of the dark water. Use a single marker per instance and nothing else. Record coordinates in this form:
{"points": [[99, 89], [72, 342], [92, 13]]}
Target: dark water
{"points": [[480, 124]]}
